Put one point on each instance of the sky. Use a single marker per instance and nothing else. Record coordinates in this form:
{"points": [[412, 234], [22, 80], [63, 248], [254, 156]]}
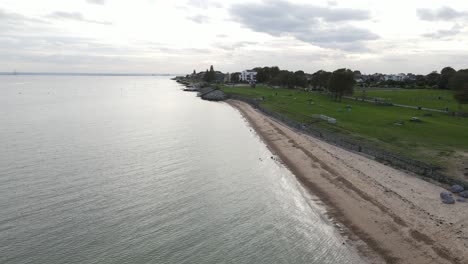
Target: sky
{"points": [[178, 36]]}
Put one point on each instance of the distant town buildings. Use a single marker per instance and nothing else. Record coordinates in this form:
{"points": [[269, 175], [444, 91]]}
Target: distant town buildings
{"points": [[378, 77], [248, 76], [395, 77], [317, 79]]}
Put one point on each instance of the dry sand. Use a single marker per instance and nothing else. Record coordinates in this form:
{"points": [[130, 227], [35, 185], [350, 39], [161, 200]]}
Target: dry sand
{"points": [[392, 216]]}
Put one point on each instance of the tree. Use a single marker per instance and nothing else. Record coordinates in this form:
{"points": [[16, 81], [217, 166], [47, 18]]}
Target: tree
{"points": [[357, 74], [284, 78], [341, 83], [420, 80], [300, 79], [235, 77], [445, 75], [263, 74], [459, 83], [320, 79], [206, 76], [210, 75], [324, 79], [274, 71], [433, 78], [266, 74]]}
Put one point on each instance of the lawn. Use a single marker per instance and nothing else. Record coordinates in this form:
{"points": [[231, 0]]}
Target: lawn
{"points": [[429, 98], [434, 140]]}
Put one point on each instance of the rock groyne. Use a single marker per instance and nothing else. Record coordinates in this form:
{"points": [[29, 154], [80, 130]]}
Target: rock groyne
{"points": [[212, 94]]}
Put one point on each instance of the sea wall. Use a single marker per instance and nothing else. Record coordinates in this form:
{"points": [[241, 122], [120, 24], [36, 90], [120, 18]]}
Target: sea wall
{"points": [[425, 170]]}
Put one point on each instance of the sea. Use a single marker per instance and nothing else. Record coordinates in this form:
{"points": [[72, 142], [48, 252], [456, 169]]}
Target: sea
{"points": [[131, 169]]}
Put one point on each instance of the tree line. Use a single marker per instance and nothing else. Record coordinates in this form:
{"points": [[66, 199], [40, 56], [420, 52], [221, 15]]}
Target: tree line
{"points": [[338, 83], [342, 81], [432, 80]]}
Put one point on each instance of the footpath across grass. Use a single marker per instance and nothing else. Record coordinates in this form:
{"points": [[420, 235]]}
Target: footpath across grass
{"points": [[438, 139], [428, 98]]}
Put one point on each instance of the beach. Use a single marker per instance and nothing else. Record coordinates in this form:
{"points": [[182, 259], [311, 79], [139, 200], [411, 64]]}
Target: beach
{"points": [[391, 216]]}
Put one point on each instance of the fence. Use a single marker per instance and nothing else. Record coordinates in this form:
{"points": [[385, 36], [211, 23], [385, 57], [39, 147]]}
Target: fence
{"points": [[346, 142]]}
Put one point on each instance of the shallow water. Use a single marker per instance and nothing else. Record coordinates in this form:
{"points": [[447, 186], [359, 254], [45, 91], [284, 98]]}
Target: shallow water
{"points": [[133, 170]]}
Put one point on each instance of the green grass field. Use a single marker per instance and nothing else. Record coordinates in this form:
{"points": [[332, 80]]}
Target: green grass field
{"points": [[436, 99], [436, 139]]}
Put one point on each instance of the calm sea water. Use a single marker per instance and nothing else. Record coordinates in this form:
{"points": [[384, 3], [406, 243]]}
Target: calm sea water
{"points": [[133, 170]]}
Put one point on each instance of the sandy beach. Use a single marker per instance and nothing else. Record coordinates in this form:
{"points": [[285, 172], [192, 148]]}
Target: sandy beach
{"points": [[390, 215]]}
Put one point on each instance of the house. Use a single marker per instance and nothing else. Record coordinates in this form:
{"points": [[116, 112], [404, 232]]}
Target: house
{"points": [[249, 76]]}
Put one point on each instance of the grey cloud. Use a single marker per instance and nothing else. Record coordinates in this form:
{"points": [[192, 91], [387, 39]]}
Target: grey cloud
{"points": [[357, 46], [445, 33], [13, 18], [199, 19], [52, 43], [322, 26], [273, 17], [297, 14], [75, 16], [68, 15], [443, 13], [97, 2], [339, 35], [14, 22], [341, 14]]}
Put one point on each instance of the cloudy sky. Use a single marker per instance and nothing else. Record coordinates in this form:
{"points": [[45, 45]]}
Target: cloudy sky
{"points": [[177, 36]]}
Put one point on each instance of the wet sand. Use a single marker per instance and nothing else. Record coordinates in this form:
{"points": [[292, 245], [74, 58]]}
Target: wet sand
{"points": [[391, 216]]}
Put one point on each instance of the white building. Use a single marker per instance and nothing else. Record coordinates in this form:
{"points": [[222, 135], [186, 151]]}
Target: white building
{"points": [[249, 76]]}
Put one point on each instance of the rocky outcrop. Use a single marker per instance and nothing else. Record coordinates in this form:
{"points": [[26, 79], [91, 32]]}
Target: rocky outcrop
{"points": [[464, 194], [447, 198], [211, 94], [456, 188]]}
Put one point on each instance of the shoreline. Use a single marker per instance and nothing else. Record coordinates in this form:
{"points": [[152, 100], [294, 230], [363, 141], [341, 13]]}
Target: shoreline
{"points": [[398, 217]]}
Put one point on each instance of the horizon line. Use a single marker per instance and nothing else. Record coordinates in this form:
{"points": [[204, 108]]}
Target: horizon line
{"points": [[87, 74]]}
